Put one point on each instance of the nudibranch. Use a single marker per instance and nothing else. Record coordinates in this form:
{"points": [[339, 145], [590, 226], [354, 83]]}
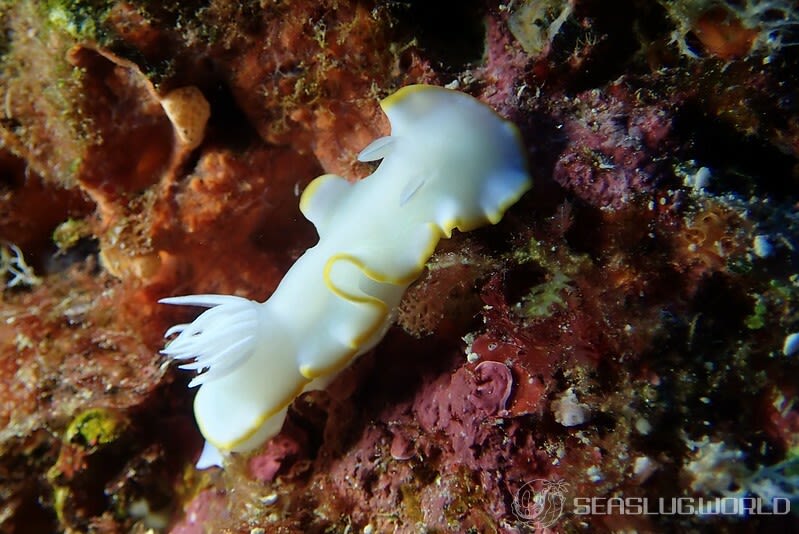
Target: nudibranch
{"points": [[450, 162]]}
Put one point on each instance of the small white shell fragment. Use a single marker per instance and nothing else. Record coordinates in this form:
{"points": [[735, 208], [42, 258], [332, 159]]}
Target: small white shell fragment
{"points": [[643, 426], [702, 178], [594, 474], [188, 110], [791, 344], [269, 500], [643, 467], [762, 246], [568, 411]]}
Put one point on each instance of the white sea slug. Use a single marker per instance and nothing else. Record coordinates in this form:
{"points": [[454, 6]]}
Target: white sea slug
{"points": [[450, 162]]}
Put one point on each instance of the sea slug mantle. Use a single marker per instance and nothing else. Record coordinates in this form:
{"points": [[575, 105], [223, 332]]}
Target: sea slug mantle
{"points": [[450, 162]]}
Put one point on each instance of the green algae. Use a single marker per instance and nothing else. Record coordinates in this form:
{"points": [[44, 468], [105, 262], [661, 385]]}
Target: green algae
{"points": [[561, 267], [81, 19], [94, 427]]}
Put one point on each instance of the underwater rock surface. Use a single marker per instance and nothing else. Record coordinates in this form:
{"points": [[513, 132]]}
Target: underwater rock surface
{"points": [[628, 329]]}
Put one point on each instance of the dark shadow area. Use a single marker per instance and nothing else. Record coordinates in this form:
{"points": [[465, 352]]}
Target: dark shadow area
{"points": [[450, 32]]}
